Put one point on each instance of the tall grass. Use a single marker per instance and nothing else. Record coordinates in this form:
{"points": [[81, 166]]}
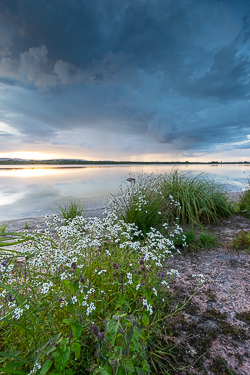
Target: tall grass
{"points": [[150, 200], [244, 204], [140, 202], [201, 199], [69, 210]]}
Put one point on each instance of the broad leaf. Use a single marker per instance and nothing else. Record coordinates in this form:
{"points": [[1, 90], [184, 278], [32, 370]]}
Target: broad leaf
{"points": [[77, 330], [46, 366]]}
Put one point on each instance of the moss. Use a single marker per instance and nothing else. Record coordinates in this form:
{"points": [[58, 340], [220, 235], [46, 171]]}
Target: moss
{"points": [[220, 367], [224, 327], [192, 308], [244, 317], [195, 339], [210, 294]]}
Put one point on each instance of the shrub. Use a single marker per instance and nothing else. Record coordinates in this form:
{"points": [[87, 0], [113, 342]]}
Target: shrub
{"points": [[84, 298]]}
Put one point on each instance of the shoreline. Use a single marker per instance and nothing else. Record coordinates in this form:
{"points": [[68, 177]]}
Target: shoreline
{"points": [[18, 224]]}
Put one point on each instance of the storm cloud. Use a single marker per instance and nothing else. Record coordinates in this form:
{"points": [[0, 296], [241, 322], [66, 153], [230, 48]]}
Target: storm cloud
{"points": [[144, 77]]}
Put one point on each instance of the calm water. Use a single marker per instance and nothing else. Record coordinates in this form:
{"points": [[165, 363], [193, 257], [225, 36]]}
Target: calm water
{"points": [[35, 190]]}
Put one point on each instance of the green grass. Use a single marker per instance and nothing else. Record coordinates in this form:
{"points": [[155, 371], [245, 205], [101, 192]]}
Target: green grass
{"points": [[242, 241], [189, 241], [201, 200], [150, 201], [140, 202], [244, 204], [206, 240], [69, 210], [3, 228]]}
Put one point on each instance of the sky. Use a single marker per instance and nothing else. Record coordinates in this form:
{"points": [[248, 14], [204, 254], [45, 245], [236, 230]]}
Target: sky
{"points": [[141, 80]]}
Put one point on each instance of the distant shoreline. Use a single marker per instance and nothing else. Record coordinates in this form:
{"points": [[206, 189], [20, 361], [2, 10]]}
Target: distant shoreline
{"points": [[107, 162]]}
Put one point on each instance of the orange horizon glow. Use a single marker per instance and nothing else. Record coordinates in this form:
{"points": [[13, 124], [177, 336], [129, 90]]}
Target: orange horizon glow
{"points": [[40, 155]]}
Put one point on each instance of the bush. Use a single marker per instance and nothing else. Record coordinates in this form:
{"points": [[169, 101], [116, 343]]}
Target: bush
{"points": [[85, 299]]}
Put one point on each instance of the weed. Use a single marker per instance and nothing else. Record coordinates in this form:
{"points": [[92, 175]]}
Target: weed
{"points": [[244, 204], [26, 225], [69, 210], [206, 240], [220, 367], [3, 228], [242, 241]]}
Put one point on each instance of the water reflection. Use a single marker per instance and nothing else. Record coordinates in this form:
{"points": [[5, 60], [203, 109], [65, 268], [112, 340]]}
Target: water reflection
{"points": [[35, 190]]}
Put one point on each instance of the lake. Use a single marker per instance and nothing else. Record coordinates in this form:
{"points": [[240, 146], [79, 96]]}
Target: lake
{"points": [[34, 190]]}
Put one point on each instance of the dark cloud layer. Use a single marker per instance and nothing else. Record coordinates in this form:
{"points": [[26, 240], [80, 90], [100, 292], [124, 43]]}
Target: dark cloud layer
{"points": [[175, 72]]}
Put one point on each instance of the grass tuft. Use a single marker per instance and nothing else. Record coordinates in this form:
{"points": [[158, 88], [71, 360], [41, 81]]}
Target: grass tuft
{"points": [[69, 210], [140, 202], [244, 204], [206, 240], [150, 201], [3, 228], [201, 200]]}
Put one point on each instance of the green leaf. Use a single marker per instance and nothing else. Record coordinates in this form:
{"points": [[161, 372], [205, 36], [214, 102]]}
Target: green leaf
{"points": [[76, 347], [104, 372], [77, 330], [68, 321], [74, 287], [69, 372], [17, 324], [9, 355], [129, 334], [145, 320], [7, 370], [127, 365], [121, 371], [62, 359], [101, 371], [66, 282], [63, 346], [113, 326], [140, 371], [70, 307], [148, 295], [46, 366]]}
